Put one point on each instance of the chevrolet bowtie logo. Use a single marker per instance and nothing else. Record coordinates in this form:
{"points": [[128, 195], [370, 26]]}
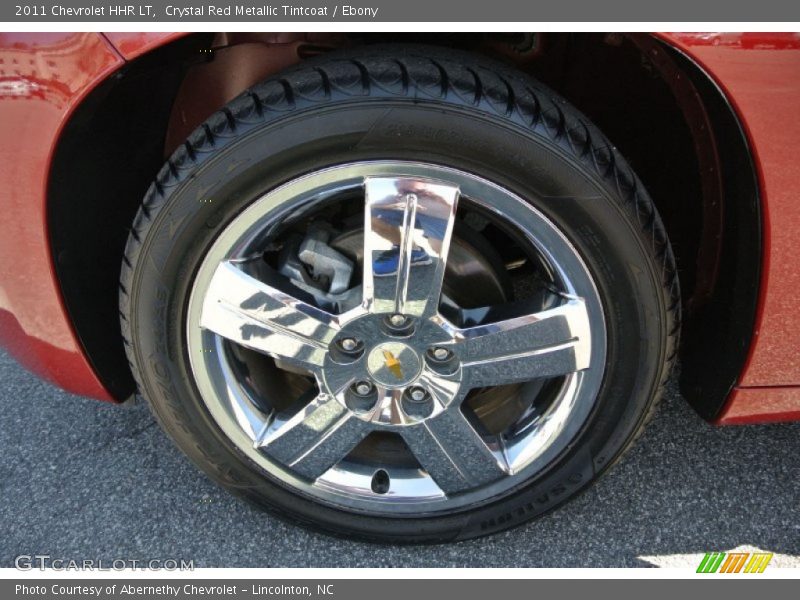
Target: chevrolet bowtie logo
{"points": [[392, 364]]}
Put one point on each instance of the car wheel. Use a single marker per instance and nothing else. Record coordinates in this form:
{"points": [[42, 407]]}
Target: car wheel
{"points": [[402, 293]]}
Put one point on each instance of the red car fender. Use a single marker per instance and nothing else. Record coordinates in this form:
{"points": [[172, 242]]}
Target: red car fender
{"points": [[59, 69], [760, 75]]}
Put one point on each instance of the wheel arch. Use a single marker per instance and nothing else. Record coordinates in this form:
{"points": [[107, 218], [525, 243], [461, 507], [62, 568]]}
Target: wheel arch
{"points": [[117, 139]]}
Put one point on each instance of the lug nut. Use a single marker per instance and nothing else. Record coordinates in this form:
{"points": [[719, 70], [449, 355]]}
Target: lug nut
{"points": [[398, 325], [440, 353], [361, 397], [417, 403], [417, 394], [442, 360], [348, 344], [347, 350], [362, 388]]}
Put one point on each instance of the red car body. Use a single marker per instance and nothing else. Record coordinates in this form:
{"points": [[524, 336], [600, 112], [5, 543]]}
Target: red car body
{"points": [[45, 78]]}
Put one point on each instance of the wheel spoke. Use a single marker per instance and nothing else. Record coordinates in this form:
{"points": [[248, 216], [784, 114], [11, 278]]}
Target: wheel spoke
{"points": [[251, 313], [552, 342], [408, 226], [315, 438], [452, 452]]}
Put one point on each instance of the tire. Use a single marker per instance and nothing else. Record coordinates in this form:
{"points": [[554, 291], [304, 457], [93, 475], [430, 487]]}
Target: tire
{"points": [[434, 107]]}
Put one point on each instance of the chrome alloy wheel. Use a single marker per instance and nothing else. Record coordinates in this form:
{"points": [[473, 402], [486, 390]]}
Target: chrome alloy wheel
{"points": [[395, 362]]}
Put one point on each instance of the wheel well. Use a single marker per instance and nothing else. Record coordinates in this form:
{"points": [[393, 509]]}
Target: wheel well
{"points": [[660, 109]]}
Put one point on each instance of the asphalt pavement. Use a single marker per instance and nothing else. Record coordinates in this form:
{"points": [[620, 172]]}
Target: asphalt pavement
{"points": [[80, 479]]}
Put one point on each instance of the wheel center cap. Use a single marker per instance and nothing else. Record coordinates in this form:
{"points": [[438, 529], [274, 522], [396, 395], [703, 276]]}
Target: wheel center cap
{"points": [[393, 364]]}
